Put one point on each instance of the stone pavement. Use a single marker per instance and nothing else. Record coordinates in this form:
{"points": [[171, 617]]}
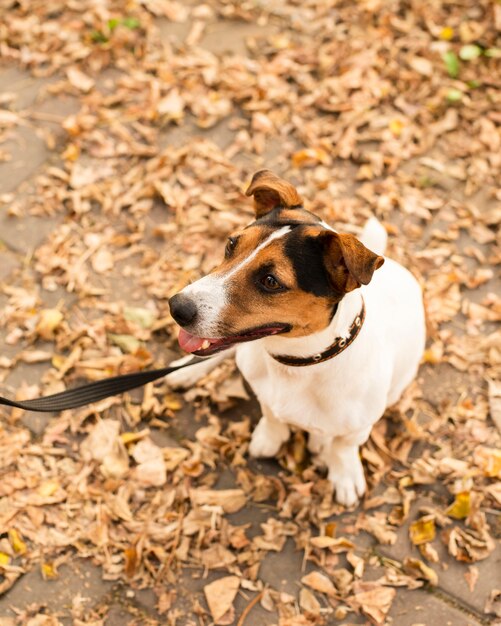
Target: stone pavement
{"points": [[33, 146]]}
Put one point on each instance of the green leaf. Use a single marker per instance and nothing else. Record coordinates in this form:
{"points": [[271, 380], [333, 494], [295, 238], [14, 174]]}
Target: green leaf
{"points": [[113, 23], [126, 343], [454, 95], [474, 84], [451, 63], [493, 53], [470, 52], [98, 37], [131, 22], [143, 317]]}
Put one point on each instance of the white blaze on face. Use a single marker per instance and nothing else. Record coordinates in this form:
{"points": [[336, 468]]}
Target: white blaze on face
{"points": [[210, 292]]}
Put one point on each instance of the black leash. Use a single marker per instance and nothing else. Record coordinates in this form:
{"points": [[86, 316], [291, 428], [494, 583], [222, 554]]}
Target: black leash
{"points": [[93, 392]]}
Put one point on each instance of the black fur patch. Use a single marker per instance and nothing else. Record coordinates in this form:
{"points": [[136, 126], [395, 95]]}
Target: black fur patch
{"points": [[275, 218], [306, 257]]}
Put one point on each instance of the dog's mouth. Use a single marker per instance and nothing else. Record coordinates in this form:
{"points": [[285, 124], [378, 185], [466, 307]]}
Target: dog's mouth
{"points": [[203, 346]]}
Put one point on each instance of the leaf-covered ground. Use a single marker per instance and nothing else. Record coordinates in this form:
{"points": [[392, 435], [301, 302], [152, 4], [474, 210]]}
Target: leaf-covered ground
{"points": [[150, 116]]}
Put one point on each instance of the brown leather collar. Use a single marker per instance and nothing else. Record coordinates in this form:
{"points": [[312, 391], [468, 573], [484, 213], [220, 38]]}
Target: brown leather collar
{"points": [[339, 345]]}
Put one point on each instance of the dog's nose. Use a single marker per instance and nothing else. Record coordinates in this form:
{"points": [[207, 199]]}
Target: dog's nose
{"points": [[183, 309]]}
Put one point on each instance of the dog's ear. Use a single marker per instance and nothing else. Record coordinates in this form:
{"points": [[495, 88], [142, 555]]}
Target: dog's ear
{"points": [[270, 191], [348, 262]]}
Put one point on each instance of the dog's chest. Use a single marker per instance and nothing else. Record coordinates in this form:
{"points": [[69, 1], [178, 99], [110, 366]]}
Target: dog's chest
{"points": [[304, 398]]}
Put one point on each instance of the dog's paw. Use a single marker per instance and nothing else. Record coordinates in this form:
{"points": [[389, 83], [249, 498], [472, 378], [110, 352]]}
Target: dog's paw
{"points": [[267, 438], [349, 486], [182, 379], [189, 376]]}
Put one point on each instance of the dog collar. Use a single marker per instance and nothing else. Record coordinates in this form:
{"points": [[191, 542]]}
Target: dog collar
{"points": [[339, 345]]}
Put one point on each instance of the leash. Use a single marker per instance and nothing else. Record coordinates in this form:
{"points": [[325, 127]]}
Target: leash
{"points": [[93, 392]]}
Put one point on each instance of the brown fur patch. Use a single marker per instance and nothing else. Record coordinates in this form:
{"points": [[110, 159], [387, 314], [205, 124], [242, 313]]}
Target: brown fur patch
{"points": [[270, 191], [250, 307], [349, 263]]}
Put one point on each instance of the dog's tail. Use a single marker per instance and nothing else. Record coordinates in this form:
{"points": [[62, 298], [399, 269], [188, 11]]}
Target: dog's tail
{"points": [[374, 236]]}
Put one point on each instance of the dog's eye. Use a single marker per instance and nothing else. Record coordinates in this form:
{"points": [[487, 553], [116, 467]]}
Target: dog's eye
{"points": [[270, 283], [230, 246]]}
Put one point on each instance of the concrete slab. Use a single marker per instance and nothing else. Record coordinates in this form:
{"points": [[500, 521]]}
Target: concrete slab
{"points": [[8, 262], [451, 573], [26, 234], [220, 39], [27, 152], [24, 88], [80, 579], [420, 608]]}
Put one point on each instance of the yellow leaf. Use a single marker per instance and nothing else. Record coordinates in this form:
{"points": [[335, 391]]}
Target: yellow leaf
{"points": [[48, 322], [310, 156], [396, 127], [405, 481], [447, 33], [172, 402], [16, 542], [71, 153], [132, 437], [4, 559], [422, 530], [49, 572], [58, 361], [48, 487], [460, 508], [433, 354]]}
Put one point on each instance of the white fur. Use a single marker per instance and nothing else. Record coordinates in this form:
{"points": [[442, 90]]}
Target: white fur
{"points": [[338, 401]]}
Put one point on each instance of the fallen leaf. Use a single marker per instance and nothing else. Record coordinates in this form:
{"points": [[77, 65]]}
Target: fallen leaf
{"points": [[230, 500], [471, 577], [372, 600], [422, 530], [418, 569], [220, 595], [48, 322], [79, 80], [460, 508], [319, 582]]}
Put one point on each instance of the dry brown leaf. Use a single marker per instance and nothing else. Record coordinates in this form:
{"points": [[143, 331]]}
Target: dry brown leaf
{"points": [[372, 600], [418, 569], [471, 577], [220, 595], [79, 80], [319, 582], [230, 500]]}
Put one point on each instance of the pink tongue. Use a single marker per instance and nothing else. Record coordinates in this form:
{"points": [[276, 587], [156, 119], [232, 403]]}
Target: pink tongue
{"points": [[189, 343]]}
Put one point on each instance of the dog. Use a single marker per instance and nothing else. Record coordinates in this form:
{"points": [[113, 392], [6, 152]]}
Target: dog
{"points": [[328, 332]]}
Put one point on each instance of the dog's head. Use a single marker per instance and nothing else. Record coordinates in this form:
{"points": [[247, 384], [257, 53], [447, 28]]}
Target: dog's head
{"points": [[284, 273]]}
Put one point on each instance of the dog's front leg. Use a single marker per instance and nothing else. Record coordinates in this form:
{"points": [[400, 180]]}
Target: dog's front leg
{"points": [[268, 435], [345, 469]]}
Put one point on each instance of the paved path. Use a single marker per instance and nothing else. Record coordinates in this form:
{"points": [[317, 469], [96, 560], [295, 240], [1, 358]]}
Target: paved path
{"points": [[33, 146]]}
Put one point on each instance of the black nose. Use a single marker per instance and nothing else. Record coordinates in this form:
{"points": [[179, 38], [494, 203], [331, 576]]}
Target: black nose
{"points": [[183, 309]]}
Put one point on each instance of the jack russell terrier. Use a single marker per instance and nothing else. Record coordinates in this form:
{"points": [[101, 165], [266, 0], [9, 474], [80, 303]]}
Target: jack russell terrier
{"points": [[326, 342]]}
